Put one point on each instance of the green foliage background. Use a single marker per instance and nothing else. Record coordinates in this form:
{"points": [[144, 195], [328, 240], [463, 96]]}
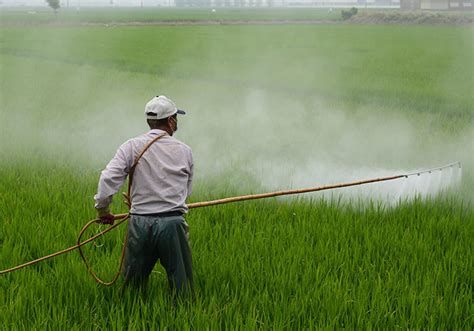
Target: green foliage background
{"points": [[284, 264]]}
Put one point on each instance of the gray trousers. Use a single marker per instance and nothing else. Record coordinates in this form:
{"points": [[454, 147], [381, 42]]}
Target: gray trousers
{"points": [[165, 238]]}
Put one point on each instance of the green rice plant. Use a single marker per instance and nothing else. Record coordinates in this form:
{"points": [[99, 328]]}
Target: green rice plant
{"points": [[69, 97], [294, 264]]}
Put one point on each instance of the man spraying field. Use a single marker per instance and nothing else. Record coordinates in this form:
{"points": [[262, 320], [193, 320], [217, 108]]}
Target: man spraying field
{"points": [[160, 173], [161, 168]]}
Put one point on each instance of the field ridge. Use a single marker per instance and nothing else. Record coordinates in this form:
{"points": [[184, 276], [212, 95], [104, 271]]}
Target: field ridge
{"points": [[363, 19]]}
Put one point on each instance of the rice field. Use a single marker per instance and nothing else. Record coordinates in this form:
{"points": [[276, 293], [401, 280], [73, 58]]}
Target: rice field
{"points": [[269, 107], [126, 15]]}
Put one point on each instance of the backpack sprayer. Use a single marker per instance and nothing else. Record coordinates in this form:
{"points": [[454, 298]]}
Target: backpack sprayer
{"points": [[453, 170]]}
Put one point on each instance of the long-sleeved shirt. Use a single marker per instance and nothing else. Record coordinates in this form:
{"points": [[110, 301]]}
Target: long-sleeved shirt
{"points": [[162, 179]]}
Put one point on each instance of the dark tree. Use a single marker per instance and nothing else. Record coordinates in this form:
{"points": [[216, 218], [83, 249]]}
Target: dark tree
{"points": [[54, 4]]}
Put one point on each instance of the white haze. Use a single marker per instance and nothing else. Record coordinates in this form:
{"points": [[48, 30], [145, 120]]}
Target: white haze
{"points": [[275, 140], [326, 147]]}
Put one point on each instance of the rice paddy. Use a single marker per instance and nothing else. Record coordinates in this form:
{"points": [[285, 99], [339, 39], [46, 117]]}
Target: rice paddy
{"points": [[269, 107]]}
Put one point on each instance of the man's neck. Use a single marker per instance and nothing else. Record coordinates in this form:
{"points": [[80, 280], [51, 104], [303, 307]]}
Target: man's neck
{"points": [[166, 129]]}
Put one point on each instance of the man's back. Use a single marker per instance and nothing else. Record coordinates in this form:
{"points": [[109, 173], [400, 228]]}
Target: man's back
{"points": [[162, 180]]}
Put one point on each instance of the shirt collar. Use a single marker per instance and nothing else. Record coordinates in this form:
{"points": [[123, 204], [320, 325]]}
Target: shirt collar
{"points": [[157, 132]]}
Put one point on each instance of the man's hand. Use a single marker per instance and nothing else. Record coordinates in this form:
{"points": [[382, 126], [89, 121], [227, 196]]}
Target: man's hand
{"points": [[105, 216]]}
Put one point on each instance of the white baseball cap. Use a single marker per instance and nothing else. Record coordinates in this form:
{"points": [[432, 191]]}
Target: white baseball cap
{"points": [[161, 107]]}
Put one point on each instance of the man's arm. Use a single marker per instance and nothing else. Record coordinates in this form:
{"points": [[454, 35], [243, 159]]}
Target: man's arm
{"points": [[112, 178], [191, 174]]}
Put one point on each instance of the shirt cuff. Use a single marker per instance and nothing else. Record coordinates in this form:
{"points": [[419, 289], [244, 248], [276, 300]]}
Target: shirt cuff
{"points": [[102, 203]]}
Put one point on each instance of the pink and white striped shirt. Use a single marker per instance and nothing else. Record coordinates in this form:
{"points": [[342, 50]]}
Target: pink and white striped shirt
{"points": [[162, 179]]}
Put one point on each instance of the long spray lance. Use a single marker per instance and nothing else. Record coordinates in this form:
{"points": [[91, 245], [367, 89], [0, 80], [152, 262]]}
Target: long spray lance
{"points": [[310, 189], [123, 217]]}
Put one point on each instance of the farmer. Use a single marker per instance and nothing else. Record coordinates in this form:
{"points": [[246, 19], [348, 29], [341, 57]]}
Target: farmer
{"points": [[161, 183]]}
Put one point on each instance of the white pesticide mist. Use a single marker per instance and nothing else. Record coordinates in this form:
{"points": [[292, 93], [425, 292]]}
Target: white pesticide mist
{"points": [[284, 145], [244, 136], [273, 142]]}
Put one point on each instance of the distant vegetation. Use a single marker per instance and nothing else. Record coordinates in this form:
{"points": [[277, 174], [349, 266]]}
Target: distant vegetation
{"points": [[346, 14], [24, 16], [54, 4], [419, 17], [123, 15]]}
